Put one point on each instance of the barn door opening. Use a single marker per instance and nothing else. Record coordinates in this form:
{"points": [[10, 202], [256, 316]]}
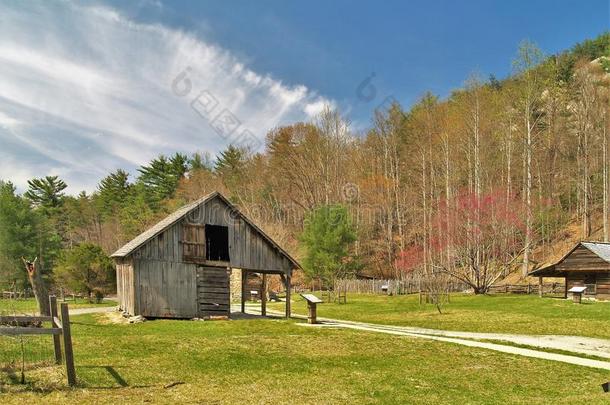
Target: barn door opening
{"points": [[217, 243]]}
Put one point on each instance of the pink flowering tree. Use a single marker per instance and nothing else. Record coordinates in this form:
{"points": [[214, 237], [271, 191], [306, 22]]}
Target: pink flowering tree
{"points": [[478, 237]]}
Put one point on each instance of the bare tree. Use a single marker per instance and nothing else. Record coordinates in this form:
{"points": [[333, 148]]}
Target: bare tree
{"points": [[530, 92], [39, 286]]}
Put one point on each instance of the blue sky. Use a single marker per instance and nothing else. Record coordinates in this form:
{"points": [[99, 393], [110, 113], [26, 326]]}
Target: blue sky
{"points": [[88, 87]]}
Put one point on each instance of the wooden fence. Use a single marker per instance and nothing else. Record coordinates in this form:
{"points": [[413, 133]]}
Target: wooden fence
{"points": [[15, 294], [398, 287], [60, 328], [547, 288]]}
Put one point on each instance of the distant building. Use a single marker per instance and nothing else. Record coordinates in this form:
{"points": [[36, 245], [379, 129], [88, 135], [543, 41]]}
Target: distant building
{"points": [[586, 265], [192, 262]]}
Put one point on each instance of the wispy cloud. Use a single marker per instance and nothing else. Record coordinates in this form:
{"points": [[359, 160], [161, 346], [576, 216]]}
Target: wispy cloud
{"points": [[84, 90]]}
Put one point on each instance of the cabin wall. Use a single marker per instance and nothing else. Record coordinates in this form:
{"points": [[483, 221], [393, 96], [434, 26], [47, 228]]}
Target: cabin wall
{"points": [[602, 284]]}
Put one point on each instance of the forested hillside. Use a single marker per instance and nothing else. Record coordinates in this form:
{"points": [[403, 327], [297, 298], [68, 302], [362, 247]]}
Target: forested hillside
{"points": [[477, 185]]}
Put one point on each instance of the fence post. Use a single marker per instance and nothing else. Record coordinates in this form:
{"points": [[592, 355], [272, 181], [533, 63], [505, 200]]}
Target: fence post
{"points": [[56, 338], [65, 321]]}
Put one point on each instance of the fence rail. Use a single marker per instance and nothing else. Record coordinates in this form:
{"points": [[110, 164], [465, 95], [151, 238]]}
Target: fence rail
{"points": [[547, 288], [398, 287]]}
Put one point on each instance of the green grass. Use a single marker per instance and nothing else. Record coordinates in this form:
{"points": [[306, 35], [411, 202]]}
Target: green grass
{"points": [[29, 305], [524, 314], [279, 361]]}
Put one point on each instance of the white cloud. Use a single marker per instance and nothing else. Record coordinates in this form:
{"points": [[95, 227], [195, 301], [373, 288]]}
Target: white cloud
{"points": [[9, 123], [84, 90]]}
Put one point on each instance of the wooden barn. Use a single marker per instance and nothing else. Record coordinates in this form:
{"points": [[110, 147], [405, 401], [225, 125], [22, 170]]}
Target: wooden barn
{"points": [[586, 265], [186, 265]]}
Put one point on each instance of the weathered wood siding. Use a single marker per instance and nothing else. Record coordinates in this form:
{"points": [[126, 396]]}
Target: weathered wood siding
{"points": [[213, 293], [165, 246], [166, 289], [159, 282], [582, 259], [247, 248], [126, 285], [602, 283], [603, 286]]}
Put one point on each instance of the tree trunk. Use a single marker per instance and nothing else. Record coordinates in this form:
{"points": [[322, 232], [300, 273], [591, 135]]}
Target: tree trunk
{"points": [[39, 287], [528, 193], [605, 182]]}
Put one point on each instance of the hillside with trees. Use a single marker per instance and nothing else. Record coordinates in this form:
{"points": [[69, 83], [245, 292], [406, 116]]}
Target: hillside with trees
{"points": [[477, 185]]}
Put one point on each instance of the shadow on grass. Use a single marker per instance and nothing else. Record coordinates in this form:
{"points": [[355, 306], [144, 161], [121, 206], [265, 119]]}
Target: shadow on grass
{"points": [[118, 381]]}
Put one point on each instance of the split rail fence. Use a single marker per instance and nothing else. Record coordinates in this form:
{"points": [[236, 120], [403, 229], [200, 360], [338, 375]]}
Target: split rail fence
{"points": [[399, 287], [60, 330]]}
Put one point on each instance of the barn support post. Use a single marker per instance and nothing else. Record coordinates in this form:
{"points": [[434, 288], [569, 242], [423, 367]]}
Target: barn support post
{"points": [[540, 287], [288, 277], [264, 295], [244, 278]]}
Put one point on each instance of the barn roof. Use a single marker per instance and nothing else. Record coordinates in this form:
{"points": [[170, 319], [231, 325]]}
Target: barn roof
{"points": [[177, 215], [601, 249]]}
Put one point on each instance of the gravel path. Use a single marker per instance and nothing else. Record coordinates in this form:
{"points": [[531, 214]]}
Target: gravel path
{"points": [[94, 310]]}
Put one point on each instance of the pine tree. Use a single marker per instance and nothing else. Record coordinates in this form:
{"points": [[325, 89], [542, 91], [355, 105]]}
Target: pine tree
{"points": [[46, 192], [327, 236], [113, 192], [161, 177]]}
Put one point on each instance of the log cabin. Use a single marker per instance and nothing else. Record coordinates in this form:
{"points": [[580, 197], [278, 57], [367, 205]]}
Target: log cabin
{"points": [[586, 265], [188, 264]]}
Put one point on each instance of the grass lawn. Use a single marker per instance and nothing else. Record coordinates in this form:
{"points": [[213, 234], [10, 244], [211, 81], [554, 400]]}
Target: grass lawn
{"points": [[279, 361], [502, 313], [29, 305]]}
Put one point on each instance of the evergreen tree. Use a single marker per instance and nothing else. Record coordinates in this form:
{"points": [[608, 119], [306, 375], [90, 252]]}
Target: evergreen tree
{"points": [[230, 166], [200, 161], [46, 192], [18, 236], [327, 236], [161, 177], [113, 192]]}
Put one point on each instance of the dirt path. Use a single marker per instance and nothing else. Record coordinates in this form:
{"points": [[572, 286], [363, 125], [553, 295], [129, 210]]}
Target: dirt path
{"points": [[94, 310], [577, 345]]}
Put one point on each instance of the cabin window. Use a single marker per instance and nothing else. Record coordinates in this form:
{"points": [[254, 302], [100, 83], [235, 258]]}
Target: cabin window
{"points": [[217, 243], [590, 284]]}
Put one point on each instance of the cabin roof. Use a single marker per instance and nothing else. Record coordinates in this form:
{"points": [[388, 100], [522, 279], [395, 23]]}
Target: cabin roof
{"points": [[177, 215], [601, 249]]}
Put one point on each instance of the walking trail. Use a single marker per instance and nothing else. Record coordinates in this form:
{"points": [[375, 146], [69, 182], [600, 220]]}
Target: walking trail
{"points": [[578, 345], [92, 310]]}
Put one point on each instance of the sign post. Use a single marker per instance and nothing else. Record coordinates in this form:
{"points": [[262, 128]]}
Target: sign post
{"points": [[312, 302]]}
